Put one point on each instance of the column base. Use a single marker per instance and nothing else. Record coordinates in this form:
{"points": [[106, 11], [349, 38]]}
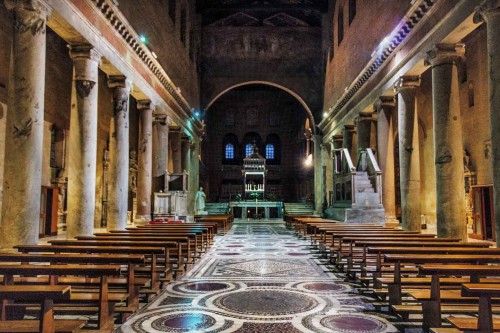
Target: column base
{"points": [[391, 221], [142, 219]]}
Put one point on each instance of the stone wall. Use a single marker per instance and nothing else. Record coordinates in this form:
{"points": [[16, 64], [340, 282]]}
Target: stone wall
{"points": [[234, 55], [373, 21]]}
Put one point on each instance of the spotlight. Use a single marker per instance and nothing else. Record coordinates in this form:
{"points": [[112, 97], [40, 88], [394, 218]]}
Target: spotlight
{"points": [[308, 161], [143, 39], [197, 113], [325, 114]]}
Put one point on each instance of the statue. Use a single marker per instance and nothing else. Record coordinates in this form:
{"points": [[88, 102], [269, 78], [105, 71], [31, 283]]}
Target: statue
{"points": [[200, 200]]}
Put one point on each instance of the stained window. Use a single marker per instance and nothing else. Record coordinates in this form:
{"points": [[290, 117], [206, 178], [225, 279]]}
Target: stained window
{"points": [[229, 151], [270, 151], [248, 149]]}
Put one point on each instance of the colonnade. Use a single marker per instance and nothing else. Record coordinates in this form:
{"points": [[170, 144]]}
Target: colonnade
{"points": [[397, 116], [24, 137]]}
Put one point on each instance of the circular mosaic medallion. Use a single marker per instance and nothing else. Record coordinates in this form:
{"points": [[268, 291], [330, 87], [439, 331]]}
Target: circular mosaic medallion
{"points": [[353, 324], [326, 286], [183, 322], [259, 250], [266, 302], [206, 286]]}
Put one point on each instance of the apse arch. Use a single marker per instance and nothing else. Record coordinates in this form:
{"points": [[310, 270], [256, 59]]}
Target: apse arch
{"points": [[268, 83]]}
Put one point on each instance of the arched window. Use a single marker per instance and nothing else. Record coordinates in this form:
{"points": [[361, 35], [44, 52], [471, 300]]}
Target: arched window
{"points": [[171, 9], [183, 25], [340, 29], [248, 149], [270, 151], [352, 10], [229, 151]]}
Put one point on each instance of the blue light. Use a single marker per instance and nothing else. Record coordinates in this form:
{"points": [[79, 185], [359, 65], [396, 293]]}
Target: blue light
{"points": [[142, 38], [197, 113]]}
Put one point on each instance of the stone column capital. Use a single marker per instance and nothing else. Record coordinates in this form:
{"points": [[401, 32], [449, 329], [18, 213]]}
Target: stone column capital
{"points": [[487, 10], [349, 128], [364, 116], [445, 54], [406, 82], [119, 81], [145, 105], [337, 140], [160, 119], [384, 102], [29, 15], [84, 52]]}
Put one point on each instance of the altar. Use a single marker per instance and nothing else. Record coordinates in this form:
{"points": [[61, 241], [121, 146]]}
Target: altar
{"points": [[249, 208]]}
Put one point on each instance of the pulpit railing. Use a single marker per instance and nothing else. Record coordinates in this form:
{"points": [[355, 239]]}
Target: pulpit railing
{"points": [[367, 163]]}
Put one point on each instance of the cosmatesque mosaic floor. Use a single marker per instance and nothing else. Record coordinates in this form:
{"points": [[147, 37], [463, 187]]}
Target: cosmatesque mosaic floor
{"points": [[259, 279]]}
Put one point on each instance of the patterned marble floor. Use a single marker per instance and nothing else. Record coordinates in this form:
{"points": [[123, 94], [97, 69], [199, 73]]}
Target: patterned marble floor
{"points": [[259, 278]]}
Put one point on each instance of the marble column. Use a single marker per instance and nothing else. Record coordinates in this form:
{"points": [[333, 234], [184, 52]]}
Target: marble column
{"points": [[24, 125], [175, 142], [185, 152], [318, 173], [448, 145], [348, 138], [384, 107], [409, 158], [118, 154], [364, 129], [83, 141], [194, 174], [160, 145], [489, 11], [145, 162]]}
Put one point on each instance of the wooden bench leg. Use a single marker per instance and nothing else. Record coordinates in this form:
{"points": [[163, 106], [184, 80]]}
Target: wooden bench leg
{"points": [[47, 324]]}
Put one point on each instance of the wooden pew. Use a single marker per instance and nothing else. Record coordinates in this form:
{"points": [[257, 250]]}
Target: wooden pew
{"points": [[433, 299], [485, 321], [223, 221], [153, 252], [46, 296], [212, 225], [104, 259], [105, 300], [175, 245]]}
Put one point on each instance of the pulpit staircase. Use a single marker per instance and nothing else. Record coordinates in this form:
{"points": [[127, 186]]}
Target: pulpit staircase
{"points": [[357, 195]]}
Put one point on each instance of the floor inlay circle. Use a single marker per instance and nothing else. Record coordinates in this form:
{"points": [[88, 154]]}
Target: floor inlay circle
{"points": [[353, 324], [326, 287], [183, 322], [206, 286], [266, 302]]}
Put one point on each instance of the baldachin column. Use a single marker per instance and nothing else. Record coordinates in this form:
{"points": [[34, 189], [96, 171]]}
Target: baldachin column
{"points": [[384, 107], [24, 125], [119, 154], [83, 140], [409, 158], [489, 11], [145, 162]]}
